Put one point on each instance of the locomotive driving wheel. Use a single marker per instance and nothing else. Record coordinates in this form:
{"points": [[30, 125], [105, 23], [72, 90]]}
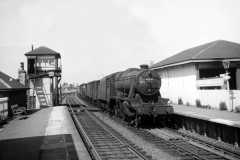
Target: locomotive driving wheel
{"points": [[137, 121]]}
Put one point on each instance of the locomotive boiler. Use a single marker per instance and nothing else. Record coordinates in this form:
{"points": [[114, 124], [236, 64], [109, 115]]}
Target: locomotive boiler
{"points": [[134, 81]]}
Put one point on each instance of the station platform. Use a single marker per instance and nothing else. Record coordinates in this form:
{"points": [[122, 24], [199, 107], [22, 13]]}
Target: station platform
{"points": [[45, 134], [212, 115]]}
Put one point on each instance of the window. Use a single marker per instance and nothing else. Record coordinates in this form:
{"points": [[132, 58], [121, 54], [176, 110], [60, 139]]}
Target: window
{"points": [[31, 66], [45, 62]]}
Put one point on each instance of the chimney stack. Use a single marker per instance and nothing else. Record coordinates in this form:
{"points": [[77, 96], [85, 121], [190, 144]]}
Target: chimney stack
{"points": [[22, 74], [32, 47], [22, 65], [144, 67]]}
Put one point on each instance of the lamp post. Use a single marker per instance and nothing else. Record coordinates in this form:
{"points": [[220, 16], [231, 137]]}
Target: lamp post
{"points": [[226, 64]]}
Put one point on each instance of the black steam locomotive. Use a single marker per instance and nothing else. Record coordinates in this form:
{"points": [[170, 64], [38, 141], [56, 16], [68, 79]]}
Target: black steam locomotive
{"points": [[132, 95]]}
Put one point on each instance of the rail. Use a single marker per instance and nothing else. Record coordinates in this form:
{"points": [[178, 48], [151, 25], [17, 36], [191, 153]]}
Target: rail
{"points": [[226, 152], [89, 143], [119, 139]]}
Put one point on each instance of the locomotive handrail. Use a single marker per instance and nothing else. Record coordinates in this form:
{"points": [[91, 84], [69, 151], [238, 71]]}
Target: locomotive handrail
{"points": [[152, 77], [125, 78]]}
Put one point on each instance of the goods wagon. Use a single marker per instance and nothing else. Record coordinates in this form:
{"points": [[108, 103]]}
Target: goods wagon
{"points": [[92, 91]]}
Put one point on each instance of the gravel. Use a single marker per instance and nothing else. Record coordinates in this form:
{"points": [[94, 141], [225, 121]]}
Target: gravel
{"points": [[164, 134], [147, 147]]}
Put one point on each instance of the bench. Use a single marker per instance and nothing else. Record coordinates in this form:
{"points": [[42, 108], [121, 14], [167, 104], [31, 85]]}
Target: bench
{"points": [[1, 120], [18, 111]]}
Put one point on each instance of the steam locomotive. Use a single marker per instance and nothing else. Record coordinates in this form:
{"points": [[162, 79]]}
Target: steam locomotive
{"points": [[132, 95]]}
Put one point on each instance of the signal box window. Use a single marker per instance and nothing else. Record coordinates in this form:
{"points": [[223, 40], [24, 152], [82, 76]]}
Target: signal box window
{"points": [[31, 66]]}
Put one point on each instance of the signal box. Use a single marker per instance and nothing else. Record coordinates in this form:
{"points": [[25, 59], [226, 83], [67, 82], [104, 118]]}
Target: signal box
{"points": [[44, 74]]}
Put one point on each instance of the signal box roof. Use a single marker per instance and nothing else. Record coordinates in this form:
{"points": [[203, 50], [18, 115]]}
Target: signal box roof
{"points": [[43, 51], [213, 51], [8, 83]]}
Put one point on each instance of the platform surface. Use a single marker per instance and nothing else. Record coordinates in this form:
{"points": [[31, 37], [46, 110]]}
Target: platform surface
{"points": [[46, 134], [213, 115]]}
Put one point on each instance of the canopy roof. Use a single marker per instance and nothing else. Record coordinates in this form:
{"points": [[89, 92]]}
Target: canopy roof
{"points": [[213, 51]]}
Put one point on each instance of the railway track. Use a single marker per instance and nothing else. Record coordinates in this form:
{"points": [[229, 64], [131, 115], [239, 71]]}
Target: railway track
{"points": [[102, 141], [176, 144], [227, 152], [186, 148]]}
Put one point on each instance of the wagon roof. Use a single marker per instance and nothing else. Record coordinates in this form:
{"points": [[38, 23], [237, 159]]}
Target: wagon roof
{"points": [[216, 50], [93, 81], [108, 76]]}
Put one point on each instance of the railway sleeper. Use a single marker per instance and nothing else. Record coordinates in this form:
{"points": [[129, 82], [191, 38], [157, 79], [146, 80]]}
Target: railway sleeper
{"points": [[211, 156], [98, 136], [166, 148], [160, 145], [185, 157], [106, 134], [100, 139], [109, 144], [97, 133], [112, 149], [106, 144], [115, 152], [118, 156]]}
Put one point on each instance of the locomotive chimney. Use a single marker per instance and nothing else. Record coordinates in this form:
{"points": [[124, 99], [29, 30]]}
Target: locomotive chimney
{"points": [[144, 67]]}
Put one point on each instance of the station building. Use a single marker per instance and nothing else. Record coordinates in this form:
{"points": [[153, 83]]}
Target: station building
{"points": [[44, 74], [209, 74], [11, 92]]}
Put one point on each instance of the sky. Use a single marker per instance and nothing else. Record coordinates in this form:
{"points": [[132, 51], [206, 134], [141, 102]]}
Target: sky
{"points": [[98, 37]]}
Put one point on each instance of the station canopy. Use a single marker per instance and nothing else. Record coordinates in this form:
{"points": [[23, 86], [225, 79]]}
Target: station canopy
{"points": [[214, 51]]}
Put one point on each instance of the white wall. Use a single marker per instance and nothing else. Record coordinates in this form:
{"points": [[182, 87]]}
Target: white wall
{"points": [[180, 82], [178, 78], [207, 97]]}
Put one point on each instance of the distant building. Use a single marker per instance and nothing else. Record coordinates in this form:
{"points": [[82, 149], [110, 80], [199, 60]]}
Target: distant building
{"points": [[198, 74], [44, 73], [65, 84], [71, 86], [14, 90]]}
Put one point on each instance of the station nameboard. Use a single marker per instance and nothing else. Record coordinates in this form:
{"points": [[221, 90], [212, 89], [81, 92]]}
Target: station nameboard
{"points": [[210, 82]]}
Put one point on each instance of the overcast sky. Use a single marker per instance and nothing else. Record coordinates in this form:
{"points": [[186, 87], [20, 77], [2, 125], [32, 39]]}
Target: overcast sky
{"points": [[98, 37]]}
